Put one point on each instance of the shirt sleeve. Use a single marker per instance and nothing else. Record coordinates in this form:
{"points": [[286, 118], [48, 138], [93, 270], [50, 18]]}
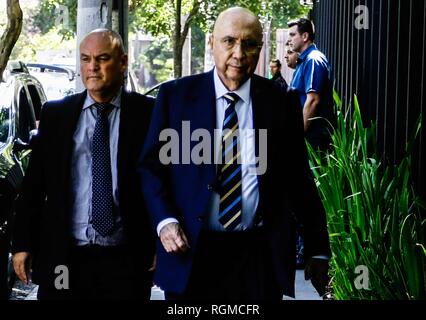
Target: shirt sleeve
{"points": [[315, 75], [164, 223]]}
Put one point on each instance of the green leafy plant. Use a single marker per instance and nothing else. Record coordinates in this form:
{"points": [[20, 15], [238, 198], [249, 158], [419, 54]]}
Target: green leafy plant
{"points": [[374, 217]]}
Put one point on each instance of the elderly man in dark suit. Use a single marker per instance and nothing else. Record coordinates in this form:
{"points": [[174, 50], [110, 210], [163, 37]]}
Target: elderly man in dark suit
{"points": [[80, 219], [224, 223]]}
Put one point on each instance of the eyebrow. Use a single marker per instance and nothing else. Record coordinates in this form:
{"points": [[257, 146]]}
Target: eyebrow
{"points": [[97, 56], [234, 38]]}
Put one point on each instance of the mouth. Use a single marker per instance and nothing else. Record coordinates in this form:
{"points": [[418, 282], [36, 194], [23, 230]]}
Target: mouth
{"points": [[238, 68]]}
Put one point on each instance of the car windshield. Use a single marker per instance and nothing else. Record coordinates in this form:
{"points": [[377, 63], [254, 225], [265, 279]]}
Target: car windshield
{"points": [[5, 109]]}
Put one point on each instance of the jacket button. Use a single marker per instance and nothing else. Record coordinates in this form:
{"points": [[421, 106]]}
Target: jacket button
{"points": [[200, 218], [209, 187]]}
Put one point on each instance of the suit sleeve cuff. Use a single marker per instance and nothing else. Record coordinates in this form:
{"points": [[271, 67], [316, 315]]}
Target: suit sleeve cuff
{"points": [[163, 223]]}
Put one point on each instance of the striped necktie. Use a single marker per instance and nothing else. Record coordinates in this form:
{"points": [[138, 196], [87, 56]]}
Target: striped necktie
{"points": [[230, 168], [102, 200]]}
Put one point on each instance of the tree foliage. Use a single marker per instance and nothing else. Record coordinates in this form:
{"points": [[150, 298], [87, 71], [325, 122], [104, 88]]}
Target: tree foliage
{"points": [[160, 17], [51, 13], [158, 59], [197, 50], [171, 18], [157, 18]]}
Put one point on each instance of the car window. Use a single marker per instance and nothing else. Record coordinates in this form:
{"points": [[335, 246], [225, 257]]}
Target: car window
{"points": [[56, 85], [26, 116], [36, 100], [4, 123]]}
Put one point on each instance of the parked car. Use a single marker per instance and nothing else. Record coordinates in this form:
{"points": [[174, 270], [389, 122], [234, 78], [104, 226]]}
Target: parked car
{"points": [[60, 80], [57, 81], [21, 99]]}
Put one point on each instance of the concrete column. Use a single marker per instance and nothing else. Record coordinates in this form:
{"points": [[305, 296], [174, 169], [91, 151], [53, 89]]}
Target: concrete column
{"points": [[282, 37], [94, 14], [262, 68], [208, 56]]}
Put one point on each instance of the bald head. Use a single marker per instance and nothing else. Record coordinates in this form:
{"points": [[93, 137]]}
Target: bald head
{"points": [[108, 36], [236, 43], [239, 16]]}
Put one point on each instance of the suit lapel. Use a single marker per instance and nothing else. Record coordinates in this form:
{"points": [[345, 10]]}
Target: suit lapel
{"points": [[72, 112], [202, 105], [200, 109]]}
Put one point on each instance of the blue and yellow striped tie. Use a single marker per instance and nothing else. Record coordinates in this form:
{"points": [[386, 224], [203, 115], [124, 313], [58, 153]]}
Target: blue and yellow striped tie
{"points": [[230, 168]]}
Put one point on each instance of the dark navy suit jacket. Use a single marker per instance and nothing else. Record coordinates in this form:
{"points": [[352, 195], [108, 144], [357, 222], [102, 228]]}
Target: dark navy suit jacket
{"points": [[43, 215], [183, 191]]}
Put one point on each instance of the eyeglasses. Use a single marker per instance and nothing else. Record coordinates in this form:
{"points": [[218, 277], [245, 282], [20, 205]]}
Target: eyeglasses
{"points": [[249, 46]]}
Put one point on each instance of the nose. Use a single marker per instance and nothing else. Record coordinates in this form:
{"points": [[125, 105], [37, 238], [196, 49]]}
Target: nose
{"points": [[237, 50], [93, 64]]}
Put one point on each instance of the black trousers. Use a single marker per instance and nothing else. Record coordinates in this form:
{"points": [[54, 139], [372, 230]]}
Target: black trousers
{"points": [[102, 273], [231, 266]]}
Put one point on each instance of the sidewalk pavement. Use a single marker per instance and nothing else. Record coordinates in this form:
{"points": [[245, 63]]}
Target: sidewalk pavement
{"points": [[304, 290]]}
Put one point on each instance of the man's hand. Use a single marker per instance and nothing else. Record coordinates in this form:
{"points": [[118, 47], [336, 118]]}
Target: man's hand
{"points": [[317, 271], [22, 265], [173, 238]]}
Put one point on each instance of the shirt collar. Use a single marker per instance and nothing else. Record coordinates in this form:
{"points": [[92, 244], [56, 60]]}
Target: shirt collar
{"points": [[243, 92], [116, 101], [305, 53]]}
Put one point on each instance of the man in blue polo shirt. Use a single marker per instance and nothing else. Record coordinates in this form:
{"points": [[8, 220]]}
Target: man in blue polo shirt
{"points": [[313, 81]]}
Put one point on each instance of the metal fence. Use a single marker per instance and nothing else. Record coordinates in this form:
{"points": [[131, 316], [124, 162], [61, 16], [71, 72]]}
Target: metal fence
{"points": [[377, 50]]}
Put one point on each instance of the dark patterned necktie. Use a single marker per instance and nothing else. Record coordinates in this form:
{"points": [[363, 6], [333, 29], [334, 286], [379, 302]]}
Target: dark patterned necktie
{"points": [[102, 200], [230, 170]]}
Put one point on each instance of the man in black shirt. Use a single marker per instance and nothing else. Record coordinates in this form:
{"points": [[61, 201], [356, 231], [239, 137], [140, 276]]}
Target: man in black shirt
{"points": [[275, 67]]}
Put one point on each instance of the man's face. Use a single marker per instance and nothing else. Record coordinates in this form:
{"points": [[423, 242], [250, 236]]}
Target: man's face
{"points": [[297, 41], [274, 68], [291, 58], [102, 65], [236, 44]]}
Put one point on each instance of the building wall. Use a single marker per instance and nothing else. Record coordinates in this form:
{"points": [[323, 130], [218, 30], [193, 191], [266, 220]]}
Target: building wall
{"points": [[282, 37], [383, 62]]}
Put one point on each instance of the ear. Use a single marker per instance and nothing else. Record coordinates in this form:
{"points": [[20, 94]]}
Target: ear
{"points": [[305, 36], [124, 60], [211, 39]]}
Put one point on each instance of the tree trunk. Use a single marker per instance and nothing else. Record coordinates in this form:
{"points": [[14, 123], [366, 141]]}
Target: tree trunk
{"points": [[177, 61], [180, 34], [11, 34]]}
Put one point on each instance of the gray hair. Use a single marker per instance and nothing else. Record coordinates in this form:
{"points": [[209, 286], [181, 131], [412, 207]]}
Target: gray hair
{"points": [[114, 36]]}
